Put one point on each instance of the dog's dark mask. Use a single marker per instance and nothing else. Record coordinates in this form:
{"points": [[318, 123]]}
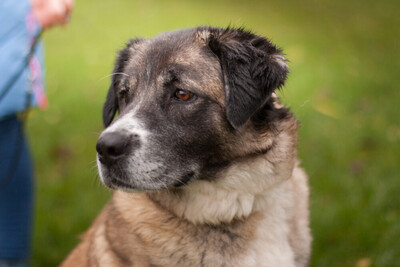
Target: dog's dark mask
{"points": [[252, 69]]}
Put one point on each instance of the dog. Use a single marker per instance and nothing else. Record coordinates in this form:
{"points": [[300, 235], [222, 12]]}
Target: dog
{"points": [[201, 157]]}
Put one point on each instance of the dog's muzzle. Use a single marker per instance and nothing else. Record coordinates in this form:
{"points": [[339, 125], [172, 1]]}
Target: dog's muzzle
{"points": [[113, 146]]}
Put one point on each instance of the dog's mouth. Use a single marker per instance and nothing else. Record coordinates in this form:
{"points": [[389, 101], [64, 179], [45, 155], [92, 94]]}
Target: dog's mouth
{"points": [[121, 185], [117, 179]]}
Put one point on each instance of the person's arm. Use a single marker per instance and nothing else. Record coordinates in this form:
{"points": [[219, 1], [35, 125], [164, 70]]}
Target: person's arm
{"points": [[22, 22]]}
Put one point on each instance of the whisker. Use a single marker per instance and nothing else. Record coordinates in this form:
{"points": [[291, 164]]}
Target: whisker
{"points": [[93, 166], [112, 74]]}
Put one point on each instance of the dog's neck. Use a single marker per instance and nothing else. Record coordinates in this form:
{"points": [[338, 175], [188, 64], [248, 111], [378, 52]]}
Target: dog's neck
{"points": [[244, 188]]}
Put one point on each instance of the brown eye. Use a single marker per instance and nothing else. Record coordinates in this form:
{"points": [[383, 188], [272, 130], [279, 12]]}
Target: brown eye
{"points": [[123, 93], [183, 95]]}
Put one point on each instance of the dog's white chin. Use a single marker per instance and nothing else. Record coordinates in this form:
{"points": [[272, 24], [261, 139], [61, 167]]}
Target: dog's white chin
{"points": [[134, 188]]}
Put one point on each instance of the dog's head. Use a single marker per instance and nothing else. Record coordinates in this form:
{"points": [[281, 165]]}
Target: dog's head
{"points": [[189, 102]]}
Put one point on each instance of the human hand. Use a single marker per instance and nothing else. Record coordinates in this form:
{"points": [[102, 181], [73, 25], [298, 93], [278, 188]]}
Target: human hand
{"points": [[52, 12]]}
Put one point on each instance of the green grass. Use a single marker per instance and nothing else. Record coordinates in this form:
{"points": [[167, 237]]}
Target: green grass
{"points": [[343, 87]]}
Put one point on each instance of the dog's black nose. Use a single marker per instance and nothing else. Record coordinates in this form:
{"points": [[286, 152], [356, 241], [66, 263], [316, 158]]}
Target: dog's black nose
{"points": [[114, 145]]}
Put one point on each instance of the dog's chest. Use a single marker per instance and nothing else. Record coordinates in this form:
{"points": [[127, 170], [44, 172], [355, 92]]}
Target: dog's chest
{"points": [[260, 240], [270, 247]]}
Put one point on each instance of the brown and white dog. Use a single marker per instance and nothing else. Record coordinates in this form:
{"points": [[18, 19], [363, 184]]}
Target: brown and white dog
{"points": [[202, 157]]}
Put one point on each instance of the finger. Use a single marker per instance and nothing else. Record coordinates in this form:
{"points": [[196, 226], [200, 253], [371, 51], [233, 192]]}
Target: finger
{"points": [[69, 5], [59, 10]]}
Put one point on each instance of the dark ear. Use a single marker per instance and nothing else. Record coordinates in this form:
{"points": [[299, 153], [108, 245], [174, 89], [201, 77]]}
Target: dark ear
{"points": [[110, 107], [252, 69]]}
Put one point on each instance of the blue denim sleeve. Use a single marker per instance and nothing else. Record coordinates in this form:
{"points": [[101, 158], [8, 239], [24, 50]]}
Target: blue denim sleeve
{"points": [[20, 77]]}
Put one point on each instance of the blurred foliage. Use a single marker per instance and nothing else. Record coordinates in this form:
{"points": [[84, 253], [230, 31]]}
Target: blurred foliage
{"points": [[343, 87]]}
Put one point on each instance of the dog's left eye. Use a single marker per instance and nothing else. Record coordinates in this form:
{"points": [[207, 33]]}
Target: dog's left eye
{"points": [[183, 95]]}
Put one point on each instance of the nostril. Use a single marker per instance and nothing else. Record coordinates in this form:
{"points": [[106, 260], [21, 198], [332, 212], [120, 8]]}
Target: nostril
{"points": [[116, 150], [99, 148], [113, 145]]}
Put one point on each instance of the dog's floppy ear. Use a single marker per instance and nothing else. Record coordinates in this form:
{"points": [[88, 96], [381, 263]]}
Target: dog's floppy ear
{"points": [[252, 69], [110, 107]]}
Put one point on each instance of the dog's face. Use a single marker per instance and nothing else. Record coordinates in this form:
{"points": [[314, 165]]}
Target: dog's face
{"points": [[188, 103]]}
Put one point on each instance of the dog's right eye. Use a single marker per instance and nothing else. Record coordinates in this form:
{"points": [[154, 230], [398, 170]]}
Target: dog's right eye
{"points": [[123, 93]]}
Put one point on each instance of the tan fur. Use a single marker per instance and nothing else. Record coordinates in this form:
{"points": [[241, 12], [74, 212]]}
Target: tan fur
{"points": [[172, 228], [148, 235], [254, 212]]}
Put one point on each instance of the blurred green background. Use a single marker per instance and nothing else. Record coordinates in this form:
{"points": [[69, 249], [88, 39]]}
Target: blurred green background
{"points": [[343, 87]]}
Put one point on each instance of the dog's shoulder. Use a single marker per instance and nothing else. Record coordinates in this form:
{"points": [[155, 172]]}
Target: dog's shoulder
{"points": [[80, 256]]}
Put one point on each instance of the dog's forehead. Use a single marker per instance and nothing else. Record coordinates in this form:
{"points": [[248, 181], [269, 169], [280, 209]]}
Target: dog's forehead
{"points": [[178, 52]]}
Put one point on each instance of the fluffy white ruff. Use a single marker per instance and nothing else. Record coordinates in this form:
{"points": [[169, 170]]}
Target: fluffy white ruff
{"points": [[245, 188]]}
